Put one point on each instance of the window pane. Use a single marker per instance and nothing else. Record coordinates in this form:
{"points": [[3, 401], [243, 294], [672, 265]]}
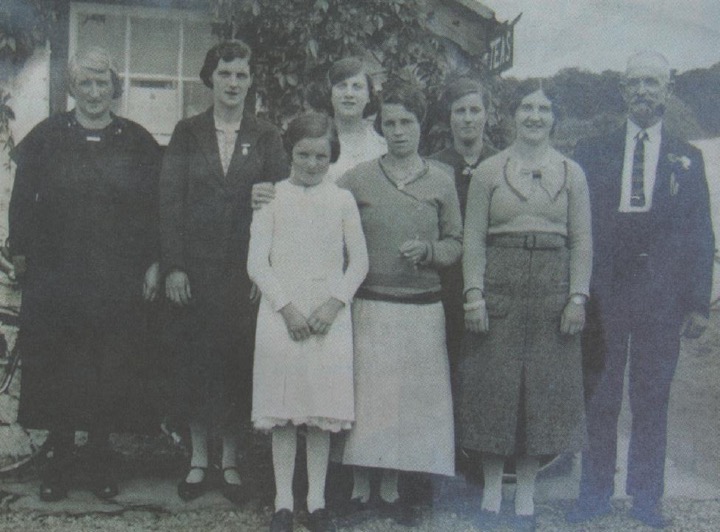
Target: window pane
{"points": [[154, 46], [153, 104], [198, 40], [107, 31], [196, 98]]}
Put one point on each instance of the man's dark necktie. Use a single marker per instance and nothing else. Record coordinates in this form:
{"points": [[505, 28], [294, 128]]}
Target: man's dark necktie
{"points": [[637, 187]]}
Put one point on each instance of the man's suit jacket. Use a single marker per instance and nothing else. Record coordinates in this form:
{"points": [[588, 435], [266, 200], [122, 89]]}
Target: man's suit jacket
{"points": [[205, 215], [678, 239]]}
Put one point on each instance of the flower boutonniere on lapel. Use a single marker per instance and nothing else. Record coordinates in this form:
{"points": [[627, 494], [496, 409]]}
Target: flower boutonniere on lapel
{"points": [[245, 147], [679, 163]]}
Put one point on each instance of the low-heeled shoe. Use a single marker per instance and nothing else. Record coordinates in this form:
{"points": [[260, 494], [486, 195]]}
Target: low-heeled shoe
{"points": [[53, 490], [282, 521], [105, 488], [188, 491], [235, 493], [525, 523], [319, 521], [399, 511], [487, 520]]}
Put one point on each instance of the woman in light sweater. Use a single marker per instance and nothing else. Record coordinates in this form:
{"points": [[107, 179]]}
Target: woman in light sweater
{"points": [[526, 265], [411, 220]]}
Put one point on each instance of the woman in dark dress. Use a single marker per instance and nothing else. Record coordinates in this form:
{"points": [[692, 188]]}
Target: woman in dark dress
{"points": [[83, 219], [211, 163], [465, 102]]}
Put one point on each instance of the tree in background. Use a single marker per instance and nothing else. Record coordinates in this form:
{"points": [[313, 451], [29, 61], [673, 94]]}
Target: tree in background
{"points": [[295, 41], [700, 90], [23, 26]]}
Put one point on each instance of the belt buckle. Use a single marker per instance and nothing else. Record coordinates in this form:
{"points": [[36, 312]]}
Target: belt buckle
{"points": [[530, 241]]}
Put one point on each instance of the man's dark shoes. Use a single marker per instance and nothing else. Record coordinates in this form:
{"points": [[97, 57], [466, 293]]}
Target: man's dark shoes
{"points": [[319, 521], [235, 493], [282, 521], [188, 491], [588, 510], [649, 514]]}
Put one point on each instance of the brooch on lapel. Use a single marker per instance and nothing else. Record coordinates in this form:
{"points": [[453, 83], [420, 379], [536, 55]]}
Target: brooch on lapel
{"points": [[245, 147], [678, 162]]}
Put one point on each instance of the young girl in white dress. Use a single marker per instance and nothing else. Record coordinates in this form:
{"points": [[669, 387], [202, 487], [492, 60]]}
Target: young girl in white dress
{"points": [[303, 373]]}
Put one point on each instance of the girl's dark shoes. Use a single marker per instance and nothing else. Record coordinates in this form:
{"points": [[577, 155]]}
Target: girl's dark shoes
{"points": [[235, 493], [319, 521], [282, 521], [189, 491]]}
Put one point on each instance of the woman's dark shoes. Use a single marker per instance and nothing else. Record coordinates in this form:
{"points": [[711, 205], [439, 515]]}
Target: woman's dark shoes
{"points": [[319, 521], [399, 511], [525, 523], [53, 490], [487, 520], [105, 488], [233, 492], [103, 479], [282, 521], [53, 485], [189, 491]]}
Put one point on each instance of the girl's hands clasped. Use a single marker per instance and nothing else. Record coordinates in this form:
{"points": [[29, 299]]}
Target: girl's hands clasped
{"points": [[319, 322], [296, 324], [324, 316]]}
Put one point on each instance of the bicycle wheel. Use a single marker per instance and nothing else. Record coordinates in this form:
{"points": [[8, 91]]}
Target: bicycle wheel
{"points": [[17, 444]]}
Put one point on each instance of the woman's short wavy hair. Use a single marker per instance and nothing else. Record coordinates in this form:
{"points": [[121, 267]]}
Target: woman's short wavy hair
{"points": [[460, 87], [227, 51], [528, 87], [96, 59], [319, 94], [406, 94], [312, 125]]}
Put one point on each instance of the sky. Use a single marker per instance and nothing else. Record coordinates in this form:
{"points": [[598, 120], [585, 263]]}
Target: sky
{"points": [[598, 35]]}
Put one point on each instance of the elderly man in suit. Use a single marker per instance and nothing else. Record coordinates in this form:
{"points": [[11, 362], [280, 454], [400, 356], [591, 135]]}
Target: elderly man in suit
{"points": [[654, 250]]}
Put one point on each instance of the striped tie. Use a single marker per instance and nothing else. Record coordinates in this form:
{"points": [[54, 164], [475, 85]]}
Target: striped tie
{"points": [[637, 187]]}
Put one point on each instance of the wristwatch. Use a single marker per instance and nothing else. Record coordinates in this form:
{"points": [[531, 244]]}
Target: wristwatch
{"points": [[578, 299]]}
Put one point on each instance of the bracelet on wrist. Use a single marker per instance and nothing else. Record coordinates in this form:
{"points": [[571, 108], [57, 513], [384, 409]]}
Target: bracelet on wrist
{"points": [[474, 305], [472, 289], [577, 299]]}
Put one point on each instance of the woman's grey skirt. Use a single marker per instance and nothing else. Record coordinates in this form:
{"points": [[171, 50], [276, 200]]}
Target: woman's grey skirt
{"points": [[523, 372]]}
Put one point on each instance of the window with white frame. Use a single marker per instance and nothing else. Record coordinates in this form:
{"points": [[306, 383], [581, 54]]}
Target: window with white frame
{"points": [[158, 54]]}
